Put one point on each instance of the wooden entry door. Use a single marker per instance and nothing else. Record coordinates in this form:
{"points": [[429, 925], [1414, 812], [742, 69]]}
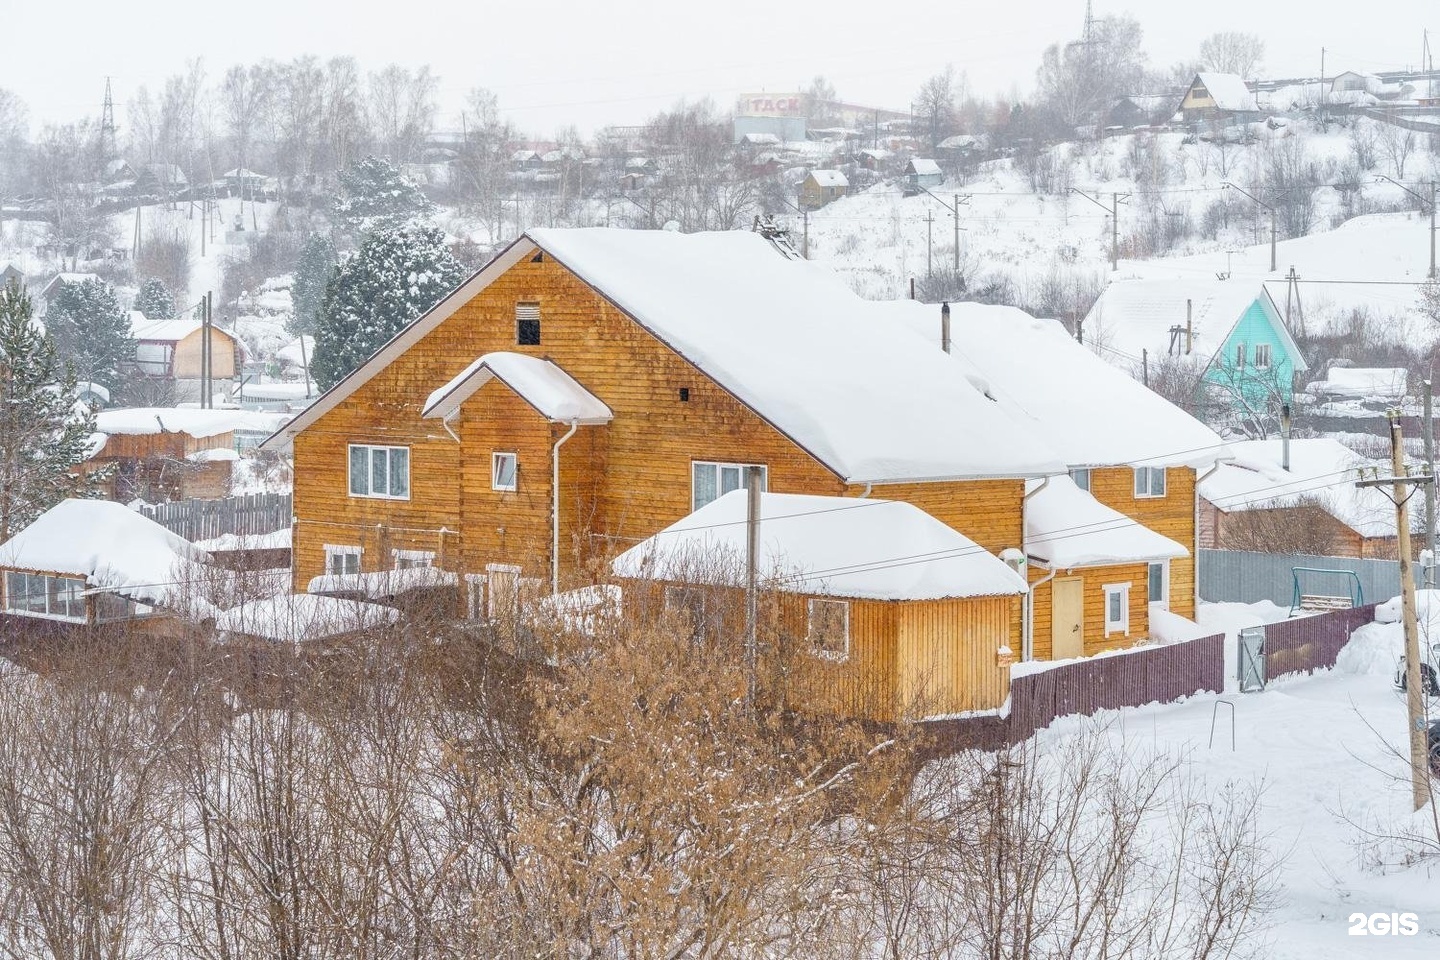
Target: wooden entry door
{"points": [[1067, 619]]}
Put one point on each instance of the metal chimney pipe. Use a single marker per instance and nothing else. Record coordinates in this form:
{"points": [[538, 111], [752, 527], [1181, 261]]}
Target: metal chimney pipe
{"points": [[945, 327], [1285, 437]]}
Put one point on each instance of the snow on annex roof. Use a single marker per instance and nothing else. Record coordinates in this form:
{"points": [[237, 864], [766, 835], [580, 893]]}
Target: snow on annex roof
{"points": [[111, 546], [833, 546], [550, 390], [1229, 92], [167, 331], [148, 421], [797, 346], [1361, 383], [1090, 413], [303, 617], [1066, 527], [1322, 471], [1135, 315]]}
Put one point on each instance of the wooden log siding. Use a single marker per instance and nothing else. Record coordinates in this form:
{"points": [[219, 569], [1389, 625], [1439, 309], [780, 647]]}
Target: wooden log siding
{"points": [[1172, 515], [640, 478], [1094, 579]]}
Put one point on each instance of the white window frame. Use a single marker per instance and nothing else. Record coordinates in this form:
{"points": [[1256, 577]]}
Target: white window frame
{"points": [[77, 585], [1121, 626], [1263, 358], [1240, 355], [1077, 474], [412, 559], [498, 457], [1145, 483], [1162, 601], [334, 550], [720, 467], [370, 450], [526, 311], [841, 655]]}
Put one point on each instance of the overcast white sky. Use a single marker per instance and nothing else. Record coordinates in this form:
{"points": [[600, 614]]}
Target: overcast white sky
{"points": [[618, 61]]}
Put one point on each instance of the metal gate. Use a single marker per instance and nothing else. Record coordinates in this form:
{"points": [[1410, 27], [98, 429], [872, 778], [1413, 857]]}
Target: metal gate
{"points": [[1252, 659]]}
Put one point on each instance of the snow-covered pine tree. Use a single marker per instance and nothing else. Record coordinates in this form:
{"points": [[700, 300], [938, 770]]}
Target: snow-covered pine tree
{"points": [[394, 277], [376, 196], [312, 273], [44, 432], [91, 331], [154, 300]]}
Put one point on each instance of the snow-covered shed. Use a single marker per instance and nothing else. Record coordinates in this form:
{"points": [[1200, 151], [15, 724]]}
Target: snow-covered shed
{"points": [[892, 610], [1253, 502], [822, 186], [173, 349], [91, 561], [1361, 383], [1219, 97], [922, 172], [169, 453]]}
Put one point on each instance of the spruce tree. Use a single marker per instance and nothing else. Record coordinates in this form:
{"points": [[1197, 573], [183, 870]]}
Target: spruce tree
{"points": [[376, 196], [91, 331], [312, 273], [393, 278], [44, 431], [154, 300]]}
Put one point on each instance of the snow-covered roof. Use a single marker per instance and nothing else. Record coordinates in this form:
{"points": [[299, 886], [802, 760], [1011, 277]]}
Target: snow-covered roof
{"points": [[1090, 412], [383, 583], [1135, 315], [1322, 471], [924, 168], [795, 344], [1228, 91], [1361, 383], [149, 421], [241, 173], [829, 178], [1066, 527], [275, 540], [834, 546], [110, 546], [297, 618], [550, 390]]}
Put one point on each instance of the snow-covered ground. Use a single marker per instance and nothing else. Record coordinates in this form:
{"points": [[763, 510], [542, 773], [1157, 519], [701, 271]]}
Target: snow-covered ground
{"points": [[1328, 750]]}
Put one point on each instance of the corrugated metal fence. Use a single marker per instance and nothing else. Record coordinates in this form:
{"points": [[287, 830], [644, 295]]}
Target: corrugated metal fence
{"points": [[1243, 577], [1311, 643], [1156, 674], [206, 519]]}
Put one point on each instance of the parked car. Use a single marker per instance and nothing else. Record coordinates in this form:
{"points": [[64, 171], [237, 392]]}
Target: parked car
{"points": [[1432, 743], [1429, 676]]}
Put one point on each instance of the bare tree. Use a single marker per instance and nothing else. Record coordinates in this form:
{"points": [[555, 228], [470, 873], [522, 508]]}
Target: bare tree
{"points": [[401, 106], [935, 105], [1233, 52], [1397, 143]]}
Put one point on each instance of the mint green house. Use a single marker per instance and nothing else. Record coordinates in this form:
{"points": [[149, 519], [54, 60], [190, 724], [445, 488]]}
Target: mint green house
{"points": [[1228, 335]]}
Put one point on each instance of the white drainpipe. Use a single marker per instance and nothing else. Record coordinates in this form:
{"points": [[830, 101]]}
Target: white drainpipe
{"points": [[555, 507], [1027, 617]]}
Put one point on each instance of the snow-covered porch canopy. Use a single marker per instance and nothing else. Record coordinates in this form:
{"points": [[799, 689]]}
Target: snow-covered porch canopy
{"points": [[829, 546], [83, 547], [1065, 528], [553, 393]]}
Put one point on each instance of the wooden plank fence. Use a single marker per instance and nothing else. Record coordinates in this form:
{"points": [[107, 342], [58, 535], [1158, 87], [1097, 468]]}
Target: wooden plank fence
{"points": [[1152, 675], [206, 519], [1311, 643]]}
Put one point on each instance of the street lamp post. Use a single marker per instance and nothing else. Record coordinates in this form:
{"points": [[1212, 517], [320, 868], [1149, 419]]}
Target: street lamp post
{"points": [[1230, 186]]}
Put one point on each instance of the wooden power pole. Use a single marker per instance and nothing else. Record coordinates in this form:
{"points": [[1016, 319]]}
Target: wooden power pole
{"points": [[1401, 488], [752, 562]]}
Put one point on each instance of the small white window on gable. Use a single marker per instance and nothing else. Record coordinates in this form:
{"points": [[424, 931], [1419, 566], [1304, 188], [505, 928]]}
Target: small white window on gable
{"points": [[829, 631], [1117, 608], [1239, 356], [412, 559], [1262, 356], [1149, 482], [341, 559], [504, 468]]}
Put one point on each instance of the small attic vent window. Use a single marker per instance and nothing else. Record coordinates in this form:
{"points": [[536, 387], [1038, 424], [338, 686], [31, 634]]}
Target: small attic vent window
{"points": [[527, 324], [539, 257], [684, 394]]}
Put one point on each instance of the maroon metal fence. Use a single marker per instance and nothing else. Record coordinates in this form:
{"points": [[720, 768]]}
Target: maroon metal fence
{"points": [[1311, 643], [1158, 674]]}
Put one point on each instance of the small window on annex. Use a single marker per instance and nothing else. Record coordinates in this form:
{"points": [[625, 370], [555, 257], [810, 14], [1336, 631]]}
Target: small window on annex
{"points": [[341, 559], [413, 559], [1117, 608], [1149, 482], [379, 472], [709, 481], [829, 632], [527, 324], [1081, 476], [504, 470], [35, 595], [1157, 587]]}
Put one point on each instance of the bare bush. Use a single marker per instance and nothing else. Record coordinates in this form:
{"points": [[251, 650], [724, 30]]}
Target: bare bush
{"points": [[165, 254]]}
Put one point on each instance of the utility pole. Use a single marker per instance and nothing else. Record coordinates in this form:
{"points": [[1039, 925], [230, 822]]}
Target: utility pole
{"points": [[956, 208], [752, 561], [929, 240], [1145, 366], [1432, 230], [1114, 210], [805, 236], [1428, 432], [1414, 694]]}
